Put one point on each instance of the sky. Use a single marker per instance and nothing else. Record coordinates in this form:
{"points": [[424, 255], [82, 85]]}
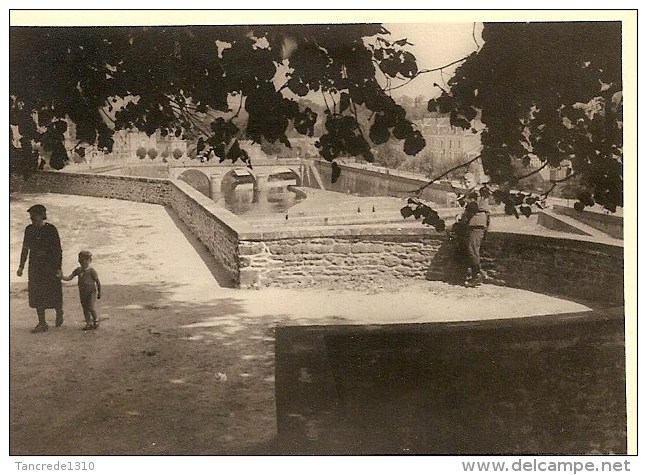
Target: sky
{"points": [[434, 45]]}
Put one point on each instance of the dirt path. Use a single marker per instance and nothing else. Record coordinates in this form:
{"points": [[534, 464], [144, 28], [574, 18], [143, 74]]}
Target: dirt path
{"points": [[179, 365]]}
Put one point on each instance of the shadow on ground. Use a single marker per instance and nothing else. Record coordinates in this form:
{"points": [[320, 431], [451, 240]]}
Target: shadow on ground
{"points": [[157, 377]]}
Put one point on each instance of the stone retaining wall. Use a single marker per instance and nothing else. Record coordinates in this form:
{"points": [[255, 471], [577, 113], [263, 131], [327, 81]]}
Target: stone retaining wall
{"points": [[321, 255], [139, 189], [581, 269], [376, 183], [214, 226], [574, 268]]}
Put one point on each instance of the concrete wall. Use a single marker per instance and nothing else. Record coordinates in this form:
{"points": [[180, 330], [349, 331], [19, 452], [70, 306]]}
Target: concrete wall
{"points": [[612, 225], [552, 384], [552, 221], [372, 182]]}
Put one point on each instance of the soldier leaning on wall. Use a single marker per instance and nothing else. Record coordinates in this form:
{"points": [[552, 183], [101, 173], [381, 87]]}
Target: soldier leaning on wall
{"points": [[475, 222]]}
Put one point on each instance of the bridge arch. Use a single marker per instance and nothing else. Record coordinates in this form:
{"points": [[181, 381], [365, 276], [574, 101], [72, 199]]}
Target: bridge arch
{"points": [[238, 175], [197, 180], [286, 173]]}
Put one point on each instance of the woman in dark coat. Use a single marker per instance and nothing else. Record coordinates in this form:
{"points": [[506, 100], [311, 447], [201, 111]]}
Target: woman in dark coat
{"points": [[43, 247]]}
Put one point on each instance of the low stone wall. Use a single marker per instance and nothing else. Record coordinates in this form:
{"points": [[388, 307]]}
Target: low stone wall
{"points": [[581, 269], [215, 227], [139, 189], [321, 255], [574, 268]]}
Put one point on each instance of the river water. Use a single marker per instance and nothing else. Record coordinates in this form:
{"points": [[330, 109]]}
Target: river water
{"points": [[243, 201]]}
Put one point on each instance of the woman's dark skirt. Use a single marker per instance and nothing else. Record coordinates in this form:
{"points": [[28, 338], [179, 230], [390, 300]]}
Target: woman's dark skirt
{"points": [[45, 288]]}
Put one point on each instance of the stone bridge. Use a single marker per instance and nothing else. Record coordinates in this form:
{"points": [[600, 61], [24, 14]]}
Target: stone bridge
{"points": [[208, 177]]}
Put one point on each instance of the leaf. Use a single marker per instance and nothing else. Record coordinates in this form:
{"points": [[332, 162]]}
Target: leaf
{"points": [[525, 210], [298, 87], [428, 220], [409, 67], [200, 145], [236, 153], [344, 101], [304, 122], [510, 209], [368, 156], [379, 130], [402, 129], [406, 211], [58, 156], [414, 143], [500, 196]]}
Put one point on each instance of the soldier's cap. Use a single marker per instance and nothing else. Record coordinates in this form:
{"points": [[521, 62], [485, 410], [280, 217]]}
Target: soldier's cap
{"points": [[38, 210]]}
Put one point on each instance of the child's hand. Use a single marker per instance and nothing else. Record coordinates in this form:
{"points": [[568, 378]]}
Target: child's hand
{"points": [[59, 274]]}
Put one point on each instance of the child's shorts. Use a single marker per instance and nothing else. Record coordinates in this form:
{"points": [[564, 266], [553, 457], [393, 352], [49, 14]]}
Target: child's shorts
{"points": [[88, 299]]}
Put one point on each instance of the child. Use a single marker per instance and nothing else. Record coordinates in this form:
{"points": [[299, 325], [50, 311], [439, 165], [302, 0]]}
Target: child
{"points": [[89, 288]]}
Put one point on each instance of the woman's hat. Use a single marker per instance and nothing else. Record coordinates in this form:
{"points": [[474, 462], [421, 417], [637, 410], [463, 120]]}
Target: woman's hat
{"points": [[39, 210]]}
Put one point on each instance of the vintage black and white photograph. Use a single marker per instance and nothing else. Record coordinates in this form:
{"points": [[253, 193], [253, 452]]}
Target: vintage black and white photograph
{"points": [[357, 235]]}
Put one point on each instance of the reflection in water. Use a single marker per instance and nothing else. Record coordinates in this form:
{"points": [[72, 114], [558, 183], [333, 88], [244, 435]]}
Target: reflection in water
{"points": [[241, 199]]}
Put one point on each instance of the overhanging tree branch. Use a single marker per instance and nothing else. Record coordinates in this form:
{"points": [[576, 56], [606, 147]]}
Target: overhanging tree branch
{"points": [[425, 71], [188, 117], [417, 191], [556, 182], [517, 178]]}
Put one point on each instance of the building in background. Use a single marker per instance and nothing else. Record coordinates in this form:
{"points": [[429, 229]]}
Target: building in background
{"points": [[129, 146], [449, 145], [444, 141]]}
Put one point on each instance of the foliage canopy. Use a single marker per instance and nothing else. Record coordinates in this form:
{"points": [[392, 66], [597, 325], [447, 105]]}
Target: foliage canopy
{"points": [[172, 78], [553, 90]]}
